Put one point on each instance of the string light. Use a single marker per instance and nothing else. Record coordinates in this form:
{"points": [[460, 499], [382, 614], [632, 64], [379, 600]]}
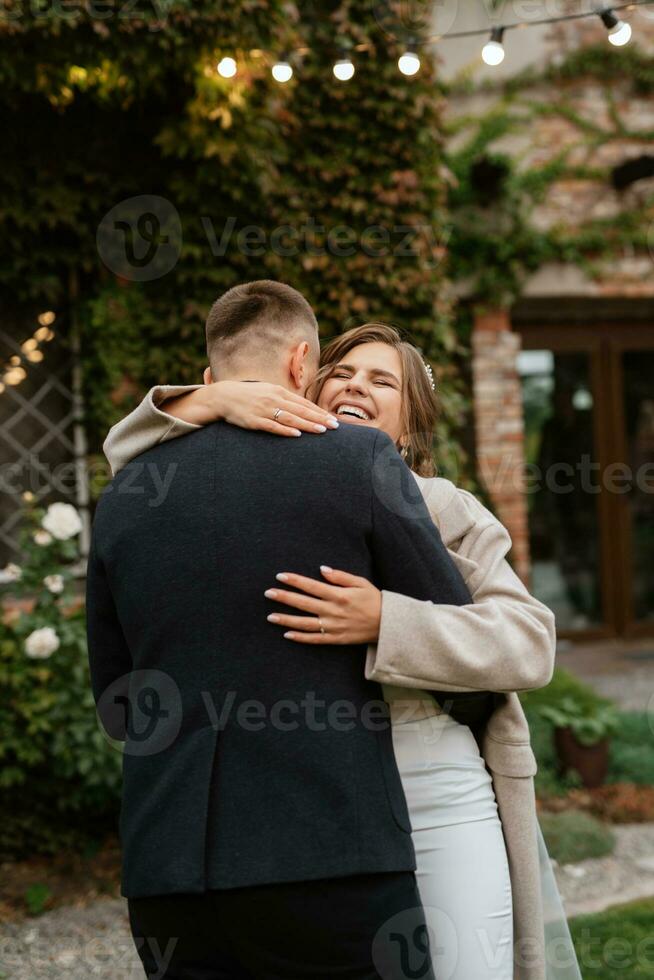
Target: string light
{"points": [[227, 67], [282, 72], [493, 51], [14, 376], [409, 63], [620, 31], [14, 372], [343, 70]]}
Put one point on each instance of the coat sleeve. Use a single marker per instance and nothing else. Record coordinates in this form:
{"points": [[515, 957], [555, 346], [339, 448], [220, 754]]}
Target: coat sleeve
{"points": [[409, 555], [110, 661], [146, 426], [504, 641]]}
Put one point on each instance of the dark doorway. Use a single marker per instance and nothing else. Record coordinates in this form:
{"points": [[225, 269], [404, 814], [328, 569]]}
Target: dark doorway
{"points": [[588, 395]]}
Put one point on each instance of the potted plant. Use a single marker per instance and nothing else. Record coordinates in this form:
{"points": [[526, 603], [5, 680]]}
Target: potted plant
{"points": [[581, 736]]}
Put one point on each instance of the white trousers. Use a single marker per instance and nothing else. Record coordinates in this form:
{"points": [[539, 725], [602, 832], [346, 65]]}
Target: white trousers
{"points": [[462, 866]]}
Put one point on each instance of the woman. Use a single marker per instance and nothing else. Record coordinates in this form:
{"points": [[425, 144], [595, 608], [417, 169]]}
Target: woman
{"points": [[473, 819]]}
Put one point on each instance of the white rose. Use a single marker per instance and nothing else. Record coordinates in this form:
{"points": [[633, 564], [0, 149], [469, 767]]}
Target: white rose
{"points": [[62, 521], [42, 538], [41, 643], [10, 573], [55, 583]]}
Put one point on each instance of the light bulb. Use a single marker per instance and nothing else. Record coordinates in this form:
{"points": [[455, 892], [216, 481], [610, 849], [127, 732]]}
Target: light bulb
{"points": [[282, 72], [621, 35], [344, 70], [45, 319], [409, 63], [493, 53], [14, 376], [227, 67]]}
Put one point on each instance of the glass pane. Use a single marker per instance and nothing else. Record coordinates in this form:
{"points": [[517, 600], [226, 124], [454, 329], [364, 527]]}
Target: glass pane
{"points": [[638, 369], [563, 512]]}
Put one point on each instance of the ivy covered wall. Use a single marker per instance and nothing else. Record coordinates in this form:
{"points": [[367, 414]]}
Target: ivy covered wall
{"points": [[334, 187]]}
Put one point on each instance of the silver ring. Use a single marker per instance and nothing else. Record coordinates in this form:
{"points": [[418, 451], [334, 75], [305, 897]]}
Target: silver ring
{"points": [[278, 411], [322, 628]]}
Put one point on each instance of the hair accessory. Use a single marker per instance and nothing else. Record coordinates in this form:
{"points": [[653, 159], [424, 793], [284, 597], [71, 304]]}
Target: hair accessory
{"points": [[430, 375]]}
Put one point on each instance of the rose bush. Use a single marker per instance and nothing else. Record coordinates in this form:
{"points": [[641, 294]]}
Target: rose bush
{"points": [[59, 776]]}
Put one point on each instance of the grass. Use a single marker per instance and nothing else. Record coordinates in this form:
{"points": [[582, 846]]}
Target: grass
{"points": [[617, 944]]}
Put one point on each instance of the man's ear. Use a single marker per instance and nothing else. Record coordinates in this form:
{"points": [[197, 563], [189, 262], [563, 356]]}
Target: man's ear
{"points": [[297, 366], [206, 376]]}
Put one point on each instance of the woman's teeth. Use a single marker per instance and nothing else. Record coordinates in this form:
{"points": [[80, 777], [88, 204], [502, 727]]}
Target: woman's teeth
{"points": [[353, 410]]}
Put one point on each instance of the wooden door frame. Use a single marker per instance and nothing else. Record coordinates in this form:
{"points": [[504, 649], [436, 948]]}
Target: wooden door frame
{"points": [[629, 338], [604, 342]]}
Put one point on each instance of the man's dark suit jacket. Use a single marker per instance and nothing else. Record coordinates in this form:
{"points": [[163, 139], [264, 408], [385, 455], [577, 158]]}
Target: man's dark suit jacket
{"points": [[248, 758]]}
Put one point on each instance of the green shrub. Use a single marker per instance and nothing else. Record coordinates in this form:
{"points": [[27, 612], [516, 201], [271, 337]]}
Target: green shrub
{"points": [[37, 819], [37, 897], [59, 776], [631, 757], [573, 836], [563, 684]]}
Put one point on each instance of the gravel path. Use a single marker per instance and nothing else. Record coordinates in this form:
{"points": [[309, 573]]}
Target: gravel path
{"points": [[81, 943], [626, 874], [76, 943]]}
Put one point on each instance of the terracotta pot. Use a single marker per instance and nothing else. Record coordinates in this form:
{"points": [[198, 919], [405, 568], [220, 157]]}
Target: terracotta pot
{"points": [[590, 761]]}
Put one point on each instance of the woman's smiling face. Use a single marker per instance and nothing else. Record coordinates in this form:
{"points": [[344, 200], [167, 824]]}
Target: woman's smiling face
{"points": [[367, 381]]}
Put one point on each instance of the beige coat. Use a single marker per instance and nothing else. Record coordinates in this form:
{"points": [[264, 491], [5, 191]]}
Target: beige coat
{"points": [[504, 642]]}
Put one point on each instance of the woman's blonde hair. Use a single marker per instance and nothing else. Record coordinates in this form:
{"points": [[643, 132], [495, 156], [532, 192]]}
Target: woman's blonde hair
{"points": [[420, 405]]}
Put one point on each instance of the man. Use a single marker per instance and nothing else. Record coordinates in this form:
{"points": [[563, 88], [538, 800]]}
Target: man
{"points": [[263, 825]]}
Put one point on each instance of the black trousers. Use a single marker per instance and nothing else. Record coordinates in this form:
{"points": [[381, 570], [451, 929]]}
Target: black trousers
{"points": [[362, 927]]}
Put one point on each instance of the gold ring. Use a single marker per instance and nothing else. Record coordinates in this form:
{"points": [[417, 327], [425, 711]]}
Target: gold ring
{"points": [[322, 628], [278, 411]]}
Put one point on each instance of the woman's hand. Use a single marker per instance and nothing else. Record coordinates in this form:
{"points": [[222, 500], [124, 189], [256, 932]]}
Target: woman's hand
{"points": [[251, 405], [349, 609]]}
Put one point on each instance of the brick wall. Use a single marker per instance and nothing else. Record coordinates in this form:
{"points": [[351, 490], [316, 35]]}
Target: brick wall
{"points": [[600, 123], [499, 428]]}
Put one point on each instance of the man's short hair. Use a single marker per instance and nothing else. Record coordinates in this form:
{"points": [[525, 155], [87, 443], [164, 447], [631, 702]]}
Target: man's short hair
{"points": [[253, 320]]}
